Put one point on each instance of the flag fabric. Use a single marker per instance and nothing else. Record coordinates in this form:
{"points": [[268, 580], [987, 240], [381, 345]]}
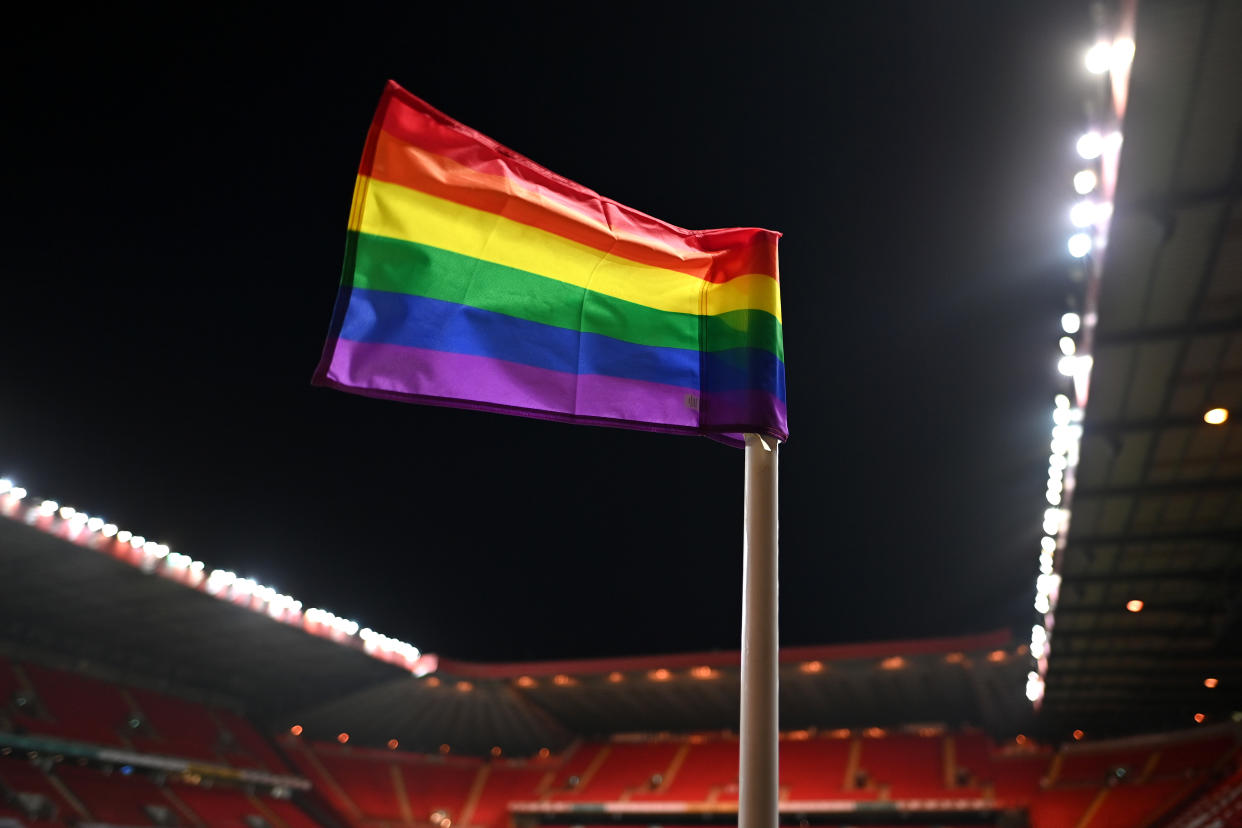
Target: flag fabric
{"points": [[475, 278]]}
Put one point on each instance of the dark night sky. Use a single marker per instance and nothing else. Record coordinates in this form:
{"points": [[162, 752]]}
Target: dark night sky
{"points": [[178, 197]]}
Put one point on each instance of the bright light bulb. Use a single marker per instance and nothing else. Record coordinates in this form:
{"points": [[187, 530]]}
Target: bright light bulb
{"points": [[1079, 245], [5, 484], [1061, 401], [1099, 57], [1048, 545], [124, 535], [1034, 686], [1067, 345], [1113, 141], [1216, 416], [1066, 365], [1083, 214], [1090, 145], [1085, 181], [1071, 322]]}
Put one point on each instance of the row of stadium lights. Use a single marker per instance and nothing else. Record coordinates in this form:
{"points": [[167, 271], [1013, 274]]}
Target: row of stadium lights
{"points": [[697, 738], [1091, 219], [152, 557], [702, 672]]}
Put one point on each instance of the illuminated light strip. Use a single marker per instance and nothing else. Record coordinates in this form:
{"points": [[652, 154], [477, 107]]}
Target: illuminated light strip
{"points": [[89, 532], [1092, 217]]}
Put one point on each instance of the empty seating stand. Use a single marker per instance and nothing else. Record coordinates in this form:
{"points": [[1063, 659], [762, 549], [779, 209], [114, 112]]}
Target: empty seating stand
{"points": [[908, 767], [815, 769], [113, 797], [78, 707], [176, 727]]}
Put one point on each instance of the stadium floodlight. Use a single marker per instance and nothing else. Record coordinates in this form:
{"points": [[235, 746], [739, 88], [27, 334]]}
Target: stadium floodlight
{"points": [[1099, 57], [124, 535], [1068, 346], [1047, 544], [95, 524], [1071, 322], [1079, 245], [1061, 401], [1034, 686], [1091, 145], [1085, 213], [1039, 641], [1113, 141], [67, 512], [5, 485], [1066, 365], [48, 507], [18, 492], [1085, 181], [1053, 498]]}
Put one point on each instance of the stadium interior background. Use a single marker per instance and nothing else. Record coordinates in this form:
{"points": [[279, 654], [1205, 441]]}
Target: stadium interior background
{"points": [[140, 686]]}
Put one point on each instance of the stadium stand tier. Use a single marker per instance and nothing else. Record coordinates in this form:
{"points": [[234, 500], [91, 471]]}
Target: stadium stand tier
{"points": [[108, 745]]}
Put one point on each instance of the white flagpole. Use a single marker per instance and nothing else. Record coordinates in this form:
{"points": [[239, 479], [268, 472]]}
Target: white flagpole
{"points": [[758, 783]]}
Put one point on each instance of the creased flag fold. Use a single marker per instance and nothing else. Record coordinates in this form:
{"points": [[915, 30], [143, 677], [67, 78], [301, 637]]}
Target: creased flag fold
{"points": [[475, 278]]}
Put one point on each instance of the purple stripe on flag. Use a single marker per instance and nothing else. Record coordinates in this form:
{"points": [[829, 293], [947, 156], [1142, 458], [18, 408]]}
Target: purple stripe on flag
{"points": [[485, 383]]}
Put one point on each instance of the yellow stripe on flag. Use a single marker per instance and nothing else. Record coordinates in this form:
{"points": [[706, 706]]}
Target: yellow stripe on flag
{"points": [[401, 213]]}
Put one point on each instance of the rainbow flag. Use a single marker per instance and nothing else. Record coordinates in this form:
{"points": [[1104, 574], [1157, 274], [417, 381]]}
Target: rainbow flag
{"points": [[476, 278]]}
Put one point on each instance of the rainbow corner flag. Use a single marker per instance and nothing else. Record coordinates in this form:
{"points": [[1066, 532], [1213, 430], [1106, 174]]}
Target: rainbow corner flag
{"points": [[476, 278]]}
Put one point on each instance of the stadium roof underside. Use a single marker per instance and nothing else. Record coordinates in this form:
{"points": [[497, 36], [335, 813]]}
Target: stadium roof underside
{"points": [[83, 609], [1157, 503], [103, 615], [522, 708]]}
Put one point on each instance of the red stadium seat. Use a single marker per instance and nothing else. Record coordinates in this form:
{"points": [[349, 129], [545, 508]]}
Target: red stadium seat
{"points": [[911, 767], [82, 708], [113, 798], [432, 785], [505, 784], [814, 769], [20, 776], [181, 727]]}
